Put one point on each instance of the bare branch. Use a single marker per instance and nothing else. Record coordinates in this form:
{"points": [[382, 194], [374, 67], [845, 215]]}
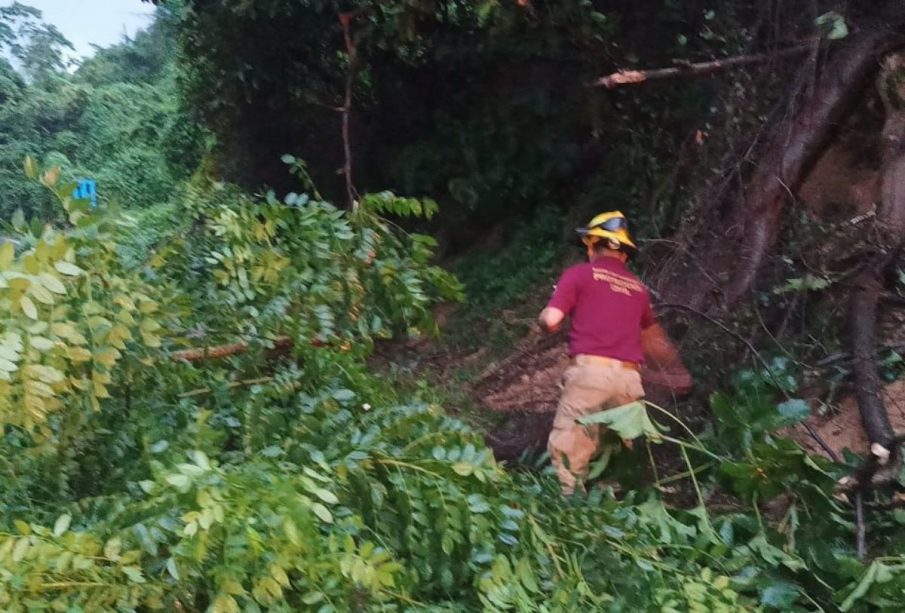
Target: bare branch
{"points": [[633, 77], [346, 109]]}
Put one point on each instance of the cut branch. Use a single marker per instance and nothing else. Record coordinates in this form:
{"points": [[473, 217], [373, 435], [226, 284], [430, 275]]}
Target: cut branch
{"points": [[281, 343], [700, 69]]}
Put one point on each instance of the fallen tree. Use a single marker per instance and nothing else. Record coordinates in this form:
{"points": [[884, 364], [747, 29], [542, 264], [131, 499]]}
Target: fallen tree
{"points": [[889, 237], [754, 213]]}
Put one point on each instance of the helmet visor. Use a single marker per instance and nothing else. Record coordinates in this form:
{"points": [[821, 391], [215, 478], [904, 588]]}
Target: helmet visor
{"points": [[613, 224]]}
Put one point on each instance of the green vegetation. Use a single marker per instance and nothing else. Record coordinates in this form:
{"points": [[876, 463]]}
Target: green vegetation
{"points": [[116, 119], [137, 481], [191, 417]]}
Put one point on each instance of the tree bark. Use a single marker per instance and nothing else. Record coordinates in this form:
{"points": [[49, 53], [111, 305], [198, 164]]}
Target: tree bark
{"points": [[889, 238], [868, 387], [723, 244], [799, 140], [280, 345]]}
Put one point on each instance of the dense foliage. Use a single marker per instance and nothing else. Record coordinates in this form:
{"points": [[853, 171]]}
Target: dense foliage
{"points": [[190, 416], [483, 105], [294, 481], [116, 119]]}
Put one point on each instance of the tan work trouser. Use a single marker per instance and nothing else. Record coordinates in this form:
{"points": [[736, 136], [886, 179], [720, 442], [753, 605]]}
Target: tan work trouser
{"points": [[590, 385]]}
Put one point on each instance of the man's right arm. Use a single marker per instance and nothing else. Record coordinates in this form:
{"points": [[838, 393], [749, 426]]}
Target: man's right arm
{"points": [[551, 319], [561, 304]]}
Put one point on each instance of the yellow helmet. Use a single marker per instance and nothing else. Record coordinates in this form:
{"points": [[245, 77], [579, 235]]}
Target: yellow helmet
{"points": [[610, 225]]}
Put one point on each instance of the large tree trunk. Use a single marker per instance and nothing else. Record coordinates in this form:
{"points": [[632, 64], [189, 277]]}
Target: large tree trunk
{"points": [[889, 238], [731, 258], [799, 141]]}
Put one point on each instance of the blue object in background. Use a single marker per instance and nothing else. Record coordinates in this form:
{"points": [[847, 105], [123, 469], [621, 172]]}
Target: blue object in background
{"points": [[86, 190]]}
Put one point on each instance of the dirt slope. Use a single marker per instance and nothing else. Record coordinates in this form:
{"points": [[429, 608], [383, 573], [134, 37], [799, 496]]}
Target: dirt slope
{"points": [[843, 430]]}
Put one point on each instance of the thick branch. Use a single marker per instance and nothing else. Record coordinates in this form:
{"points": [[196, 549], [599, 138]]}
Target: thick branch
{"points": [[281, 343], [868, 386], [890, 237], [798, 141], [700, 69]]}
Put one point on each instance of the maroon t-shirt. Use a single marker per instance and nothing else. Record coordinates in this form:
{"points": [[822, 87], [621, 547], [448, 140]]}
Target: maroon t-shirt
{"points": [[609, 308]]}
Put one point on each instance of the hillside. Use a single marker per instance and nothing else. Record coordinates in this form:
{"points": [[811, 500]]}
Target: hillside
{"points": [[290, 360]]}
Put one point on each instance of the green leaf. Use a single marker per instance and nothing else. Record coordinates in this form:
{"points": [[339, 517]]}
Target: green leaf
{"points": [[343, 395], [52, 283], [478, 504], [134, 574], [867, 579], [67, 268], [780, 595], [326, 495], [7, 253], [28, 307], [159, 447], [322, 512], [833, 24], [22, 546], [172, 569], [793, 411], [629, 421], [8, 353], [62, 524], [31, 167], [200, 458], [41, 343], [180, 482], [463, 468], [112, 548]]}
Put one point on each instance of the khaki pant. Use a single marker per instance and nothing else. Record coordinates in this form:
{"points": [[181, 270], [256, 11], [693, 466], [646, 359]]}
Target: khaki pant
{"points": [[589, 385]]}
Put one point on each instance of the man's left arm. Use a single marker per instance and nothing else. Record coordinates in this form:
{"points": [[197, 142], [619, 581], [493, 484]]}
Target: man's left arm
{"points": [[663, 364]]}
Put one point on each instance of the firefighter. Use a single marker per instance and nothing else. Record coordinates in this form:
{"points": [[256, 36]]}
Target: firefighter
{"points": [[613, 333]]}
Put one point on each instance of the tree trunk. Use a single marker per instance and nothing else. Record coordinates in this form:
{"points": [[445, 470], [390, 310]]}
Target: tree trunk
{"points": [[797, 143], [890, 236], [730, 249], [868, 387]]}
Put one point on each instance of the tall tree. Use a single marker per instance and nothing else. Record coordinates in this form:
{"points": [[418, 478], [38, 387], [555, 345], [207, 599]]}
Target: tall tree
{"points": [[32, 43]]}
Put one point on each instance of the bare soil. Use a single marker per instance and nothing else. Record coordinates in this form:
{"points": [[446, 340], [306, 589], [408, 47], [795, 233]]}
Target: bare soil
{"points": [[529, 383], [841, 185], [842, 429]]}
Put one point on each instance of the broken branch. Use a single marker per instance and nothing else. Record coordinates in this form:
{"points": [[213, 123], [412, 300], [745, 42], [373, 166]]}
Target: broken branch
{"points": [[224, 351], [700, 69]]}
